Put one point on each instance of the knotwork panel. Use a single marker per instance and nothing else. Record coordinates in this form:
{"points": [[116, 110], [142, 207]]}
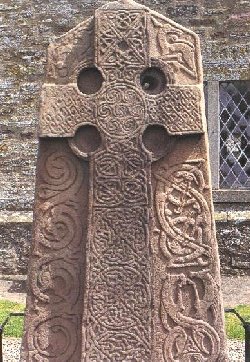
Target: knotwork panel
{"points": [[186, 275], [118, 294]]}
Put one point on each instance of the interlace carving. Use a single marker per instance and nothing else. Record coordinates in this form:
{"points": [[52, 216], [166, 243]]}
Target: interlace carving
{"points": [[187, 292], [120, 110], [184, 314], [102, 287], [178, 108], [118, 295], [122, 39], [184, 216]]}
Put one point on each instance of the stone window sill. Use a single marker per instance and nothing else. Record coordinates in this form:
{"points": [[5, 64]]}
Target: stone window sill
{"points": [[232, 196]]}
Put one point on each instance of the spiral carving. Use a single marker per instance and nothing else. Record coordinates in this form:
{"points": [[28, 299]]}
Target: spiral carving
{"points": [[59, 174], [57, 282], [55, 338], [120, 111], [60, 226], [52, 330]]}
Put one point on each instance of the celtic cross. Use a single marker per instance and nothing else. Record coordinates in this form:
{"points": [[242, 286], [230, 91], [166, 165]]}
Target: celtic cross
{"points": [[123, 260]]}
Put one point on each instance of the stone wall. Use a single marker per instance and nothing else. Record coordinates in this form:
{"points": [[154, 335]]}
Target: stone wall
{"points": [[27, 27], [233, 238], [15, 241]]}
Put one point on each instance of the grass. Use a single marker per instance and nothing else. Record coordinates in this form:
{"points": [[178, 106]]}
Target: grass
{"points": [[234, 328], [14, 328]]}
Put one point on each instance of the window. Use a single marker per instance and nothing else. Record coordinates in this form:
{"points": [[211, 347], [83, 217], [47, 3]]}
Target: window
{"points": [[235, 135], [228, 116]]}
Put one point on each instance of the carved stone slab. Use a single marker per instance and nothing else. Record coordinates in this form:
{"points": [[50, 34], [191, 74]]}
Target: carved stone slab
{"points": [[124, 263]]}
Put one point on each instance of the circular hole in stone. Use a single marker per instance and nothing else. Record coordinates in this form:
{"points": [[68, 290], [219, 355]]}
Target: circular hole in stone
{"points": [[153, 80], [87, 139], [123, 45], [156, 140], [89, 80]]}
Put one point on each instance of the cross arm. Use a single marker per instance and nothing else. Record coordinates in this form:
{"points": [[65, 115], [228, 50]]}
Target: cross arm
{"points": [[178, 109], [63, 110]]}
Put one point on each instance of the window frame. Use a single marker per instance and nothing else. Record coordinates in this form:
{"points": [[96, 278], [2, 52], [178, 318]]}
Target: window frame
{"points": [[213, 125]]}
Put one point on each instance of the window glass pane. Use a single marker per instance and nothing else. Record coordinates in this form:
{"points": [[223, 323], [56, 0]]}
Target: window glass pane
{"points": [[235, 134]]}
